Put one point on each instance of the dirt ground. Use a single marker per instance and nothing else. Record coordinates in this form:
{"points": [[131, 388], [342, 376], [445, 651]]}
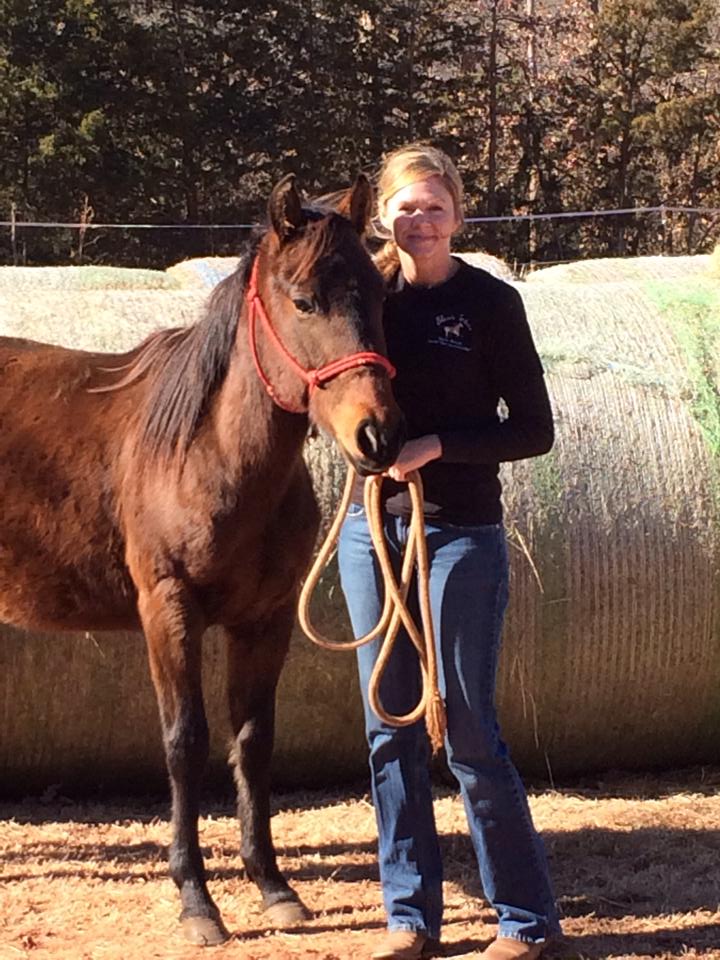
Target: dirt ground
{"points": [[636, 865]]}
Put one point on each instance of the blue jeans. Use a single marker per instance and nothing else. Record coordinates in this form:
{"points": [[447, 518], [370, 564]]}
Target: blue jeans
{"points": [[468, 595]]}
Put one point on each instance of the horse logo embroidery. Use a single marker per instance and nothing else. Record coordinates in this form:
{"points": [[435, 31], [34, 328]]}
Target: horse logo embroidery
{"points": [[452, 332]]}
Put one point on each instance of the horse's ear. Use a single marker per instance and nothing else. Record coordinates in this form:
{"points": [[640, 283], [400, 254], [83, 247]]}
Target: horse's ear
{"points": [[357, 204], [285, 209]]}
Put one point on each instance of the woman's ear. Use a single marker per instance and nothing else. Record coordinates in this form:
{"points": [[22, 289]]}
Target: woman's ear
{"points": [[459, 221]]}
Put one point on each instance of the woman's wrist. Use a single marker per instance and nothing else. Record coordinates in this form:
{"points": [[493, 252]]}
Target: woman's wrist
{"points": [[435, 445]]}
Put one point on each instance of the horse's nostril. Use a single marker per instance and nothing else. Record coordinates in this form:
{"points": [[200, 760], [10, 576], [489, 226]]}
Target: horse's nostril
{"points": [[369, 440]]}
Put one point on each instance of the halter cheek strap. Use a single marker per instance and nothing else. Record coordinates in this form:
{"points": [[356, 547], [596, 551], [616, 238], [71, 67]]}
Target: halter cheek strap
{"points": [[312, 378]]}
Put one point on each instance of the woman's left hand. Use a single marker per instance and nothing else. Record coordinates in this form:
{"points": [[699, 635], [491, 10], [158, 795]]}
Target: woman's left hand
{"points": [[415, 454]]}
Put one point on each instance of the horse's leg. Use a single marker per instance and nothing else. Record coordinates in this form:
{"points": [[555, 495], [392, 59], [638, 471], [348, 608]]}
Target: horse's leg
{"points": [[173, 629], [256, 654]]}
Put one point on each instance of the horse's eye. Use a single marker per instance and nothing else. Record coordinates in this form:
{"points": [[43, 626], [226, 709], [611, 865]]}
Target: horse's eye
{"points": [[303, 304]]}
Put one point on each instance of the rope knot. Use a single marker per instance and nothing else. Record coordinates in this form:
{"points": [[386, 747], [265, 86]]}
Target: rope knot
{"points": [[314, 378]]}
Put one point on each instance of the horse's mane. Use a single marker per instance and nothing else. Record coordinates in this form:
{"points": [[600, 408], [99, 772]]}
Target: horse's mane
{"points": [[184, 366]]}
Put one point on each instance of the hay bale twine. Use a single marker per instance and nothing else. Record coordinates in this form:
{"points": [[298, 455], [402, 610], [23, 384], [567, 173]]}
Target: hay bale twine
{"points": [[617, 269], [202, 273], [612, 646], [84, 278]]}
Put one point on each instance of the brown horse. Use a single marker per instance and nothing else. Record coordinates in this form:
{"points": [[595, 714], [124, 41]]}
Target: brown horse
{"points": [[173, 496]]}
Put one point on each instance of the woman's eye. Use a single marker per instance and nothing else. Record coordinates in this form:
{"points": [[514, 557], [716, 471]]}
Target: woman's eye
{"points": [[303, 304]]}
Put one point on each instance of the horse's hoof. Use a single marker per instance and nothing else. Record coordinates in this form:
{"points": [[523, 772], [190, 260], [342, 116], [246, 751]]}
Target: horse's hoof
{"points": [[287, 913], [204, 931]]}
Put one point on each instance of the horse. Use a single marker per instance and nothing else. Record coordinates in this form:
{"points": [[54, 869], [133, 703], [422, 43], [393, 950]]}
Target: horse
{"points": [[164, 489]]}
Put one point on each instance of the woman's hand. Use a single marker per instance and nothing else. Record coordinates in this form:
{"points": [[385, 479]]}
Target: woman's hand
{"points": [[415, 454]]}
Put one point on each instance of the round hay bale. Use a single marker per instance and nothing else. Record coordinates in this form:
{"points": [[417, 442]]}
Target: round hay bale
{"points": [[612, 645], [105, 320], [714, 270], [616, 269], [486, 261], [202, 273], [612, 654], [84, 278]]}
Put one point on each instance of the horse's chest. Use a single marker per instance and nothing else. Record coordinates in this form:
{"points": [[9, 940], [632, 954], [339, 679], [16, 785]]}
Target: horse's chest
{"points": [[252, 572]]}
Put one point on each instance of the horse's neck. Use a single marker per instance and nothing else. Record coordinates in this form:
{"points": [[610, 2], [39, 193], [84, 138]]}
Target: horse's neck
{"points": [[253, 435]]}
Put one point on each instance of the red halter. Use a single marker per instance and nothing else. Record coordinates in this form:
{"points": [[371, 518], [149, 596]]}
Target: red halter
{"points": [[313, 378]]}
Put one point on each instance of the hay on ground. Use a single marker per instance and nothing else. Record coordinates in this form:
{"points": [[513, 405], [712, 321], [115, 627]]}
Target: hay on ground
{"points": [[634, 867]]}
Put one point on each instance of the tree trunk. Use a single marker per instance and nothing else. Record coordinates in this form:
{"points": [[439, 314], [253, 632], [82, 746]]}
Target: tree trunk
{"points": [[188, 132], [534, 138], [493, 125]]}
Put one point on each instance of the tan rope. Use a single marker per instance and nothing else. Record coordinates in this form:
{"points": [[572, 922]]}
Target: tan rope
{"points": [[395, 610]]}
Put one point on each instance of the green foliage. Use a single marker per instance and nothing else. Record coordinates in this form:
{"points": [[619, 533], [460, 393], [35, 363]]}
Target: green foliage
{"points": [[170, 112], [692, 310]]}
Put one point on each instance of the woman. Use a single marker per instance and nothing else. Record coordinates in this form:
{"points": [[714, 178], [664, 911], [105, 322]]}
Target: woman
{"points": [[460, 342]]}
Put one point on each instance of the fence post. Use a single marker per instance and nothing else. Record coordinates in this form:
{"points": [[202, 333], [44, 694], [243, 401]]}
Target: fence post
{"points": [[13, 236]]}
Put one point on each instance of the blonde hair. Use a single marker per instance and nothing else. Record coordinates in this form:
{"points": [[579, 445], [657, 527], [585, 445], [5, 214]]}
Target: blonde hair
{"points": [[400, 168]]}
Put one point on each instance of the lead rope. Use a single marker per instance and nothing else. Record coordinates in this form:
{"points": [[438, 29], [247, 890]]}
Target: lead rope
{"points": [[395, 610]]}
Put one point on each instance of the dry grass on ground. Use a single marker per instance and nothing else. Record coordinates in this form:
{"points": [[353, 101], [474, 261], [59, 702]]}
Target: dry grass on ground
{"points": [[636, 864]]}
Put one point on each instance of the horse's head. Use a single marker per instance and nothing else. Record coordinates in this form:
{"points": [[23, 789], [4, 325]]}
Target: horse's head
{"points": [[321, 347]]}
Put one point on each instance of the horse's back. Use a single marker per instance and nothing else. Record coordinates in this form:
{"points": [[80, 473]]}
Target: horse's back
{"points": [[37, 354], [61, 552], [12, 345]]}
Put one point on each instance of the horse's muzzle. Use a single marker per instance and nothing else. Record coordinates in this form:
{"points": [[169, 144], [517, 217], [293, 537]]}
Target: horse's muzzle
{"points": [[379, 445]]}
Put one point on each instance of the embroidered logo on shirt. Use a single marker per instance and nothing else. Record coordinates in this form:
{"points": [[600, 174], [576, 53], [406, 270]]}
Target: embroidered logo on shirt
{"points": [[452, 332]]}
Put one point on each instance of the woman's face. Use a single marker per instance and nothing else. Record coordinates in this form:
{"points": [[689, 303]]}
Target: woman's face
{"points": [[422, 218]]}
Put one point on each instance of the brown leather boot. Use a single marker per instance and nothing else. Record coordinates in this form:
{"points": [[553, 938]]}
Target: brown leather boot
{"points": [[403, 945], [505, 948]]}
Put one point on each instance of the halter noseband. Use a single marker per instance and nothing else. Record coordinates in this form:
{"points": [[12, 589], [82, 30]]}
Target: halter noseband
{"points": [[312, 378]]}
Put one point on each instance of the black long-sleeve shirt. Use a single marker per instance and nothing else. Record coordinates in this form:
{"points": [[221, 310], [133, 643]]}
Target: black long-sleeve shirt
{"points": [[459, 347]]}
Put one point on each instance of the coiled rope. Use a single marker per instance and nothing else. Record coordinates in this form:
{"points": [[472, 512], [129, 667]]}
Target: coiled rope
{"points": [[395, 610]]}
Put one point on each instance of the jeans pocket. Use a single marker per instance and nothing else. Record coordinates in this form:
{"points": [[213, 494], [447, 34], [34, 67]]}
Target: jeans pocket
{"points": [[355, 510]]}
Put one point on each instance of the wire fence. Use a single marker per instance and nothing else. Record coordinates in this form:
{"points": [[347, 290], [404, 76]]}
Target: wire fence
{"points": [[504, 218], [526, 238]]}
